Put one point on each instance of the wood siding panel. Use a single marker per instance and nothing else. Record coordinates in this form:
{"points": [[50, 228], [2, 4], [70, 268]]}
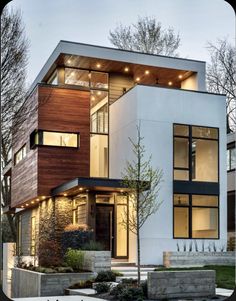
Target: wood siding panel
{"points": [[63, 110], [24, 174]]}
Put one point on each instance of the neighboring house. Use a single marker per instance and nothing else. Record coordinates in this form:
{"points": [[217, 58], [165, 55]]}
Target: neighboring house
{"points": [[231, 165], [70, 151]]}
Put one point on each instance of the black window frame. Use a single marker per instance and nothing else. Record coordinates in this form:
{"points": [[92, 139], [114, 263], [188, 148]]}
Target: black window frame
{"points": [[190, 207], [20, 151], [190, 138], [230, 147], [40, 132]]}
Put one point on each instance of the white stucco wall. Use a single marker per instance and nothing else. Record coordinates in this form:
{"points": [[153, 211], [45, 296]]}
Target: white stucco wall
{"points": [[157, 109]]}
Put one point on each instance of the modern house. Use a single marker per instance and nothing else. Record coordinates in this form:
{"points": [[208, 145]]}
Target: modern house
{"points": [[72, 144]]}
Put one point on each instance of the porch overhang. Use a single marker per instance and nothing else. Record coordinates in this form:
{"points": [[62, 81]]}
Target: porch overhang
{"points": [[79, 185]]}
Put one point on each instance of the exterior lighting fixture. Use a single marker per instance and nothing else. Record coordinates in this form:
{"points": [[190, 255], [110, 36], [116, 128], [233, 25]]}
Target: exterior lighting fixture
{"points": [[22, 207], [98, 65], [126, 69], [26, 205], [68, 61], [80, 188], [43, 197], [37, 200], [72, 73], [137, 79], [64, 194], [122, 190], [92, 98], [147, 72], [99, 93], [170, 83], [32, 202], [180, 76], [89, 75]]}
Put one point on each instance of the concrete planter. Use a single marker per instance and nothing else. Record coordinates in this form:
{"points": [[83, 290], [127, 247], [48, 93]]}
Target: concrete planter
{"points": [[180, 284], [192, 259], [97, 261], [27, 283]]}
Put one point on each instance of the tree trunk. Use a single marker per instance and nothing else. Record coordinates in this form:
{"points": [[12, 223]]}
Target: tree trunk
{"points": [[138, 247]]}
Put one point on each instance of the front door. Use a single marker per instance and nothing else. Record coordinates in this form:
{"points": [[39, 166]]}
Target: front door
{"points": [[105, 226]]}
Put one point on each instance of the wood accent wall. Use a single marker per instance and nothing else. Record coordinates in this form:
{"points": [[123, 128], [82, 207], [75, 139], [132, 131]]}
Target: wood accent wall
{"points": [[117, 82], [65, 110], [45, 167], [24, 174]]}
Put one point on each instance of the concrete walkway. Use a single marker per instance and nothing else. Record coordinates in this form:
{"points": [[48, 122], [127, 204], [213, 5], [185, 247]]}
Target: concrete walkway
{"points": [[59, 298]]}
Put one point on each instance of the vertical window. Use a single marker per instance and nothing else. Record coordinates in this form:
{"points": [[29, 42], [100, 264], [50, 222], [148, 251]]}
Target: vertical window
{"points": [[121, 229], [80, 209], [99, 156], [20, 155], [231, 159], [196, 216], [19, 236], [195, 153], [33, 237]]}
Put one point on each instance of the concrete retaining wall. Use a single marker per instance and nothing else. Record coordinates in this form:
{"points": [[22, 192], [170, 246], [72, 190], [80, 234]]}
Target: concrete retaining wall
{"points": [[33, 284], [192, 259], [97, 261], [181, 284]]}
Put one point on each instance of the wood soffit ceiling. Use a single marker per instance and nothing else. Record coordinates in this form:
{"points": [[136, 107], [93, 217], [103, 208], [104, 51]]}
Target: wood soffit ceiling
{"points": [[155, 74]]}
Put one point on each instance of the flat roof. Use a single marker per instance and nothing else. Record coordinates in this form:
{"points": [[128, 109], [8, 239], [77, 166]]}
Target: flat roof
{"points": [[118, 55]]}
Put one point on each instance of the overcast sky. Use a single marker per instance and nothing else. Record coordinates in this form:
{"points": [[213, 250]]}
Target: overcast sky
{"points": [[89, 21]]}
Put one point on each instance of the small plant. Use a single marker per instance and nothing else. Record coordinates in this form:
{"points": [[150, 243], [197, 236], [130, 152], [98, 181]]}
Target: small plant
{"points": [[184, 247], [144, 288], [74, 259], [190, 246], [203, 246], [178, 248], [131, 293], [82, 284], [196, 245], [93, 245], [106, 276], [102, 287], [49, 253]]}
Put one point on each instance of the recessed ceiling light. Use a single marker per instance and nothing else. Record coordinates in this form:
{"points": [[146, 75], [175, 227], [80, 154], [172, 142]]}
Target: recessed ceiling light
{"points": [[122, 190], [72, 73], [32, 202], [147, 72], [137, 79], [22, 206], [180, 76], [65, 194], [170, 83], [126, 69], [43, 197], [98, 65], [80, 188], [26, 204], [93, 98], [68, 61], [37, 200], [99, 92]]}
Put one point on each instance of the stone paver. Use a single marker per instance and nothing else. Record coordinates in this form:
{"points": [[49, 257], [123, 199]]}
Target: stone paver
{"points": [[224, 292]]}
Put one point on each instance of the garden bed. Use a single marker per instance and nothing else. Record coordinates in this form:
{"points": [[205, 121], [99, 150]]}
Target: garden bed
{"points": [[26, 283]]}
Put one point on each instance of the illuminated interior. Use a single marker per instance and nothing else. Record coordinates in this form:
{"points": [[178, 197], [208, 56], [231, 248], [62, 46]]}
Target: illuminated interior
{"points": [[60, 139]]}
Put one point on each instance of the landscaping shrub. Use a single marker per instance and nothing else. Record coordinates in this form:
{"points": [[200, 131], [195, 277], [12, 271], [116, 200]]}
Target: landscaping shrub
{"points": [[74, 259], [75, 236], [106, 276], [49, 253], [130, 294], [92, 245], [102, 287], [117, 290], [144, 288], [82, 284]]}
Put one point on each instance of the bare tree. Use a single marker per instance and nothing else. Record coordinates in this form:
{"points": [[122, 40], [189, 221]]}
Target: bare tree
{"points": [[221, 77], [143, 182], [14, 57], [146, 35]]}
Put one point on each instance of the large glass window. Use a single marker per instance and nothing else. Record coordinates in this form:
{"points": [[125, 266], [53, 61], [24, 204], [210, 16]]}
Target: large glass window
{"points": [[48, 138], [80, 209], [196, 216], [99, 112], [231, 159], [98, 155], [76, 77], [195, 153]]}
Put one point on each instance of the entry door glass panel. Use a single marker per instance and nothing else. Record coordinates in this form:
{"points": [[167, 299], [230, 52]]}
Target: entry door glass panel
{"points": [[121, 227]]}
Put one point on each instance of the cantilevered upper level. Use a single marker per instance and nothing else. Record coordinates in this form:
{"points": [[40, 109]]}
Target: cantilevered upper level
{"points": [[138, 67]]}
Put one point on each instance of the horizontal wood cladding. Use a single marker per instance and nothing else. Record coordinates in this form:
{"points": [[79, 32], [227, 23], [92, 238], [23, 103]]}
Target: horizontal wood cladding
{"points": [[117, 83], [64, 110], [24, 174]]}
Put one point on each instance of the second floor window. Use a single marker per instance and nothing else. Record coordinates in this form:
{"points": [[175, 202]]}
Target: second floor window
{"points": [[20, 155], [231, 159], [195, 153], [40, 137]]}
